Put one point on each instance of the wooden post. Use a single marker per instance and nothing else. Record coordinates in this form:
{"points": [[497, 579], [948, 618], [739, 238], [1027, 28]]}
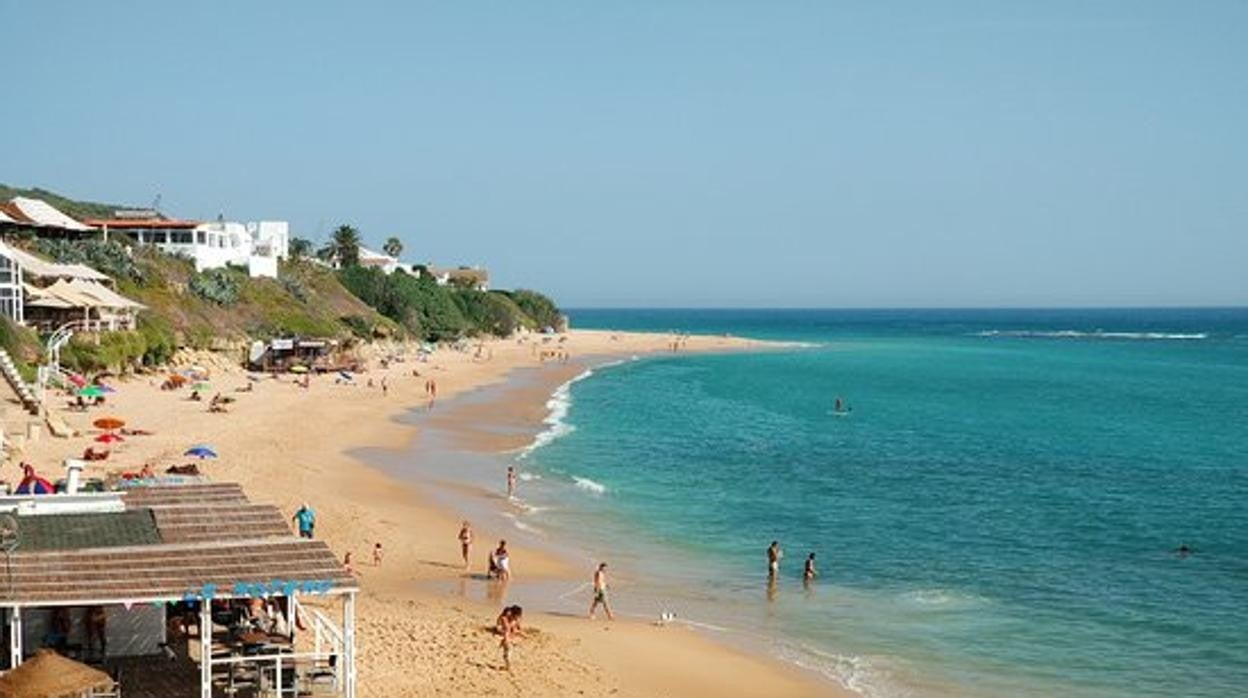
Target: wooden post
{"points": [[205, 648], [15, 637], [348, 631]]}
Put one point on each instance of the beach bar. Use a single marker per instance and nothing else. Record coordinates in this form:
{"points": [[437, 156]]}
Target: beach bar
{"points": [[118, 579]]}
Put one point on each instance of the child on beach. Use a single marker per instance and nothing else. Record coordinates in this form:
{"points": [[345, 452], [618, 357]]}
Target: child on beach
{"points": [[508, 625], [377, 555]]}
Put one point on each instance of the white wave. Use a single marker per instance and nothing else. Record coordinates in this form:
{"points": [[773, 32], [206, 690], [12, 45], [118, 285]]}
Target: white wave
{"points": [[522, 526], [558, 405], [529, 477], [588, 485], [866, 676], [1095, 334], [943, 598]]}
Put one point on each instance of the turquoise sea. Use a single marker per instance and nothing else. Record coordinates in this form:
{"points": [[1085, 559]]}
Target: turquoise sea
{"points": [[996, 516]]}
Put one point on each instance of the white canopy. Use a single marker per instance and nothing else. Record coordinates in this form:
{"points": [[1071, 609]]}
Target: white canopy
{"points": [[43, 213]]}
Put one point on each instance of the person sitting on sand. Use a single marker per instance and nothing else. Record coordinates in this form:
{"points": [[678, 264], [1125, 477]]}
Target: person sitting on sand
{"points": [[500, 562], [508, 626], [195, 396], [600, 592]]}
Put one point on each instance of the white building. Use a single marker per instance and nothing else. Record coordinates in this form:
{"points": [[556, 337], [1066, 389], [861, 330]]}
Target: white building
{"points": [[256, 246]]}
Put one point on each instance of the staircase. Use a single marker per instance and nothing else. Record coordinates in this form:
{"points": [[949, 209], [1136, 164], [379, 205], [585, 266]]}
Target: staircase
{"points": [[24, 393]]}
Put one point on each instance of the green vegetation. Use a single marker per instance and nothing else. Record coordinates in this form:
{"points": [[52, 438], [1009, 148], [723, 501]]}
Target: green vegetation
{"points": [[77, 209], [224, 309], [110, 257], [343, 248], [220, 286], [539, 307], [23, 346], [217, 309], [393, 247], [439, 313]]}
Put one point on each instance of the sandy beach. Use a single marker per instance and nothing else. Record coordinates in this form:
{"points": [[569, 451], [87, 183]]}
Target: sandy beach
{"points": [[287, 445]]}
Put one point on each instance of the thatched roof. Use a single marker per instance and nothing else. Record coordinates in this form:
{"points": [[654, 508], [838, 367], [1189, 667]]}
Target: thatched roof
{"points": [[49, 675]]}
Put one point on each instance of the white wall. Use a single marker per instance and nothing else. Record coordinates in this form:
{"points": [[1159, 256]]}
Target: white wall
{"points": [[258, 266]]}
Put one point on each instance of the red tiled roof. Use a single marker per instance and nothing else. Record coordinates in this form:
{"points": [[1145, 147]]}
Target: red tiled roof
{"points": [[139, 223]]}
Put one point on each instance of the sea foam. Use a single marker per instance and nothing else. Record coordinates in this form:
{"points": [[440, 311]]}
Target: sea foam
{"points": [[588, 485], [558, 405], [1095, 334]]}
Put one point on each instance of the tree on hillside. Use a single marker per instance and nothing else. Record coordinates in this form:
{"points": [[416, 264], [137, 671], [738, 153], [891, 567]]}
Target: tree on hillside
{"points": [[300, 248], [393, 247], [344, 246]]}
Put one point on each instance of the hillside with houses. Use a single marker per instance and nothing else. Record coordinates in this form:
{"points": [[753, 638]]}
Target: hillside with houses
{"points": [[89, 287]]}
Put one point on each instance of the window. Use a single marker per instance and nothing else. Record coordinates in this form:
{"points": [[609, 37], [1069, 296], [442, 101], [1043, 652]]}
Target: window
{"points": [[183, 237], [159, 237], [201, 237]]}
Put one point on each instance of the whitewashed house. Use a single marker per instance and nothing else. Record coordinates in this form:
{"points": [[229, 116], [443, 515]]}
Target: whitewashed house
{"points": [[212, 245]]}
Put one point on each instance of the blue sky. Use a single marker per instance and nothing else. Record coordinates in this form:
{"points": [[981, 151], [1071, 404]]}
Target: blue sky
{"points": [[677, 153]]}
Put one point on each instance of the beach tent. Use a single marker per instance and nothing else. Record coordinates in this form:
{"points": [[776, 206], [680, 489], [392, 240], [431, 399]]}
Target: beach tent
{"points": [[49, 675], [33, 484]]}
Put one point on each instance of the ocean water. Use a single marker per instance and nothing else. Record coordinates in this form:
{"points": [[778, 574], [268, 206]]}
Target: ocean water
{"points": [[996, 516]]}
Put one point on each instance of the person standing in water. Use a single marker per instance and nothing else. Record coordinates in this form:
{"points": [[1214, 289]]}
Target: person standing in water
{"points": [[465, 541], [600, 592], [809, 574], [774, 553], [511, 482]]}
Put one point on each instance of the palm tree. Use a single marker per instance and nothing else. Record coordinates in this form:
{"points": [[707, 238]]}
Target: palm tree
{"points": [[300, 248], [344, 245], [393, 247]]}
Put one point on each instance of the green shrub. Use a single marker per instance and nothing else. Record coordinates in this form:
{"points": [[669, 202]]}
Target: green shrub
{"points": [[220, 286], [539, 307], [110, 257]]}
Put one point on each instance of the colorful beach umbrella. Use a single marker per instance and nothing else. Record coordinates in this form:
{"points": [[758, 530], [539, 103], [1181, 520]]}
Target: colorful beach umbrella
{"points": [[109, 438], [92, 391], [299, 369], [109, 423], [201, 452], [200, 386]]}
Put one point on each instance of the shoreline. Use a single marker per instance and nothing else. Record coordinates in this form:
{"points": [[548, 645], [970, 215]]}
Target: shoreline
{"points": [[287, 445]]}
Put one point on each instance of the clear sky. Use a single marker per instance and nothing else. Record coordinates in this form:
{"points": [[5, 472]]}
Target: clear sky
{"points": [[665, 153]]}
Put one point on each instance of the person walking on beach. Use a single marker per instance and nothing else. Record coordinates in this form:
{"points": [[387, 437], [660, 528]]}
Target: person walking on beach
{"points": [[305, 518], [774, 553], [376, 554], [511, 482], [600, 592], [465, 541], [809, 574]]}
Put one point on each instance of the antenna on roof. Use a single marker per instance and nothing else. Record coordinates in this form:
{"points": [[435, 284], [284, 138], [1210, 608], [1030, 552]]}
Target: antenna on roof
{"points": [[156, 203]]}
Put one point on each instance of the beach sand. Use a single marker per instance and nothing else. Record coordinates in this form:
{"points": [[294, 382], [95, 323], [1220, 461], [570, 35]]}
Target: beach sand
{"points": [[288, 445]]}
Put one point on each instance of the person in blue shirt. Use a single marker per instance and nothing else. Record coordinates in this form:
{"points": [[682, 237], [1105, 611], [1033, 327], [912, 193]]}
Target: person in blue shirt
{"points": [[306, 520]]}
